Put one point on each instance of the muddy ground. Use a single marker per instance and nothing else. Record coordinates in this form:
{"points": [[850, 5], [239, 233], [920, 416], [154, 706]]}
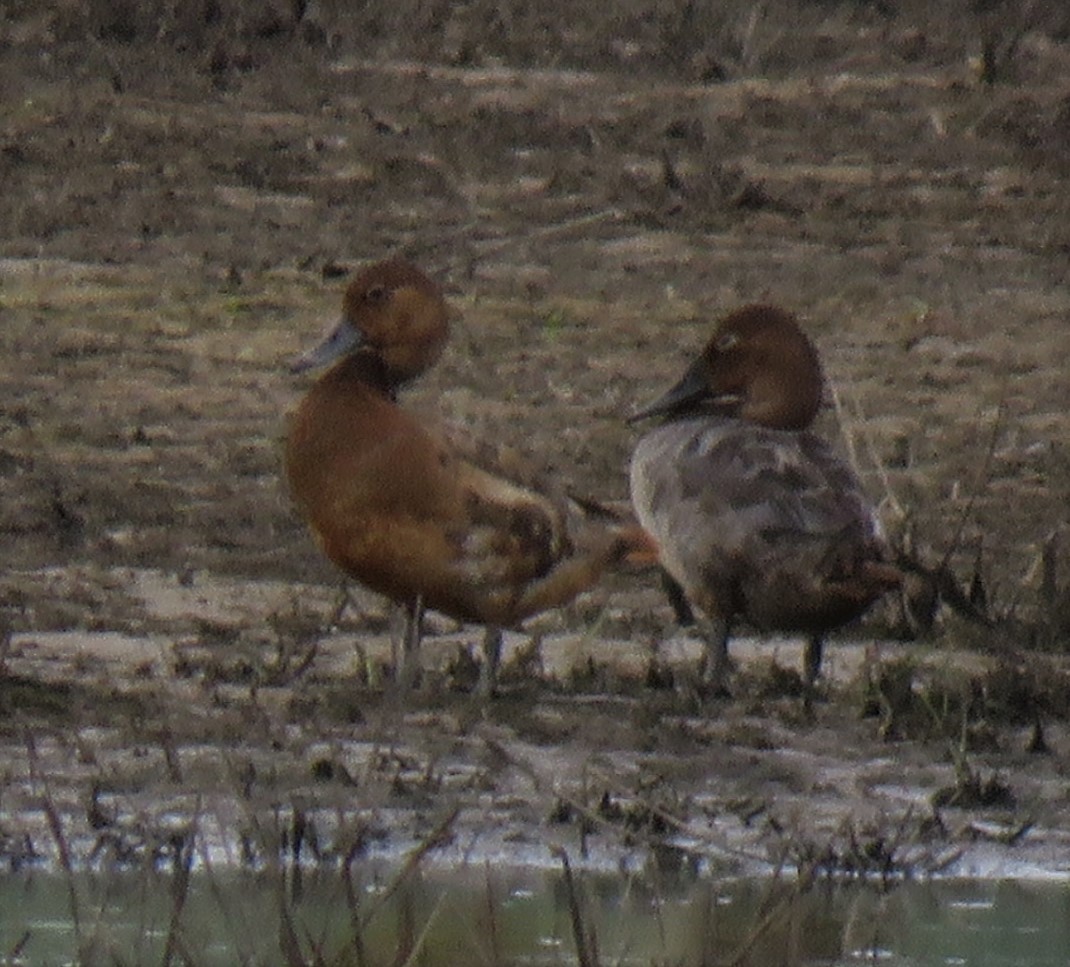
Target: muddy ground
{"points": [[182, 196]]}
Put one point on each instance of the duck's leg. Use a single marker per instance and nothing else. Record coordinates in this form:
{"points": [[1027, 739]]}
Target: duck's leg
{"points": [[811, 669], [407, 663], [714, 669], [812, 658], [492, 656], [681, 607]]}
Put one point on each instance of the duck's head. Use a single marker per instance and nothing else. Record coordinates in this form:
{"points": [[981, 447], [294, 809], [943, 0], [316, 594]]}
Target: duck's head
{"points": [[393, 312], [759, 366]]}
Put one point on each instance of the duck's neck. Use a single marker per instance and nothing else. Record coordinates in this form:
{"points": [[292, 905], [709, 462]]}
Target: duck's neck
{"points": [[368, 369], [795, 410]]}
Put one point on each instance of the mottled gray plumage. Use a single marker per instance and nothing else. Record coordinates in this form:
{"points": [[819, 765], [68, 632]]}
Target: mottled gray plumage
{"points": [[765, 523], [757, 520]]}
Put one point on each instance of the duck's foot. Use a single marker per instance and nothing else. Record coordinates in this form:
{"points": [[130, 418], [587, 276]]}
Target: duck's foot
{"points": [[715, 688], [713, 675], [408, 676], [716, 667]]}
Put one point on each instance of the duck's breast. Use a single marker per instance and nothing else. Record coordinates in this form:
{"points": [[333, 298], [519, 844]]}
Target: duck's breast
{"points": [[365, 457]]}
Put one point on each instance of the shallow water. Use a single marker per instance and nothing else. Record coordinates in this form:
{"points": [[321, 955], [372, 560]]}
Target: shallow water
{"points": [[503, 916]]}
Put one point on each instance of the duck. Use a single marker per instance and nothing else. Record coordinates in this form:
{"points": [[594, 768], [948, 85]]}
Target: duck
{"points": [[414, 512], [754, 515]]}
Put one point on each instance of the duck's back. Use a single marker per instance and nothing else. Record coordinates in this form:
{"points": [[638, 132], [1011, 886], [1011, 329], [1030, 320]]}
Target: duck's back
{"points": [[761, 522]]}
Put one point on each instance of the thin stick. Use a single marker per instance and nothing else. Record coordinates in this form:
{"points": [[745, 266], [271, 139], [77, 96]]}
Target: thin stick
{"points": [[871, 450], [982, 479], [55, 825], [439, 836], [586, 949]]}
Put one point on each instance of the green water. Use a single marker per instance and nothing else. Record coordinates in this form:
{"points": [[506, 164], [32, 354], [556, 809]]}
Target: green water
{"points": [[505, 917]]}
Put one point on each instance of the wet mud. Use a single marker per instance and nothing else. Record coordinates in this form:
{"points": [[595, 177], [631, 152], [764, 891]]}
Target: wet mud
{"points": [[178, 219]]}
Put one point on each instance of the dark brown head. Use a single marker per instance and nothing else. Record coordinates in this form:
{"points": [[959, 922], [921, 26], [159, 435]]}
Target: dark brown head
{"points": [[759, 366], [392, 311]]}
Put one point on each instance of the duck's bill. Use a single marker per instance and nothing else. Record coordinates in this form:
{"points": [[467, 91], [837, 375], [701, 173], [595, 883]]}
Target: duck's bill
{"points": [[339, 340], [693, 388]]}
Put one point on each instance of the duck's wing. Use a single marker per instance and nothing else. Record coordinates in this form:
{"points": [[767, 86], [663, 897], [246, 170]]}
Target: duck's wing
{"points": [[417, 515], [507, 470], [730, 481], [745, 513], [527, 538]]}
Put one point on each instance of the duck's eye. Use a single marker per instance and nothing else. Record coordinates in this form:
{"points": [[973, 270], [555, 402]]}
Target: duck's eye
{"points": [[727, 341], [376, 295]]}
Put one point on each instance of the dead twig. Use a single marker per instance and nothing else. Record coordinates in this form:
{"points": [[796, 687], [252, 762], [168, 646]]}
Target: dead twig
{"points": [[585, 940], [55, 826]]}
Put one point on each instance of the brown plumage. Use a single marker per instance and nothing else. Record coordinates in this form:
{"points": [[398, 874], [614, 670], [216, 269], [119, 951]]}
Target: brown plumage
{"points": [[404, 510]]}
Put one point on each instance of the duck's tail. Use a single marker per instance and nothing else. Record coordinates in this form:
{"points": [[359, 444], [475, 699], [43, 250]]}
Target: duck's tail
{"points": [[635, 546], [880, 575], [639, 547]]}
